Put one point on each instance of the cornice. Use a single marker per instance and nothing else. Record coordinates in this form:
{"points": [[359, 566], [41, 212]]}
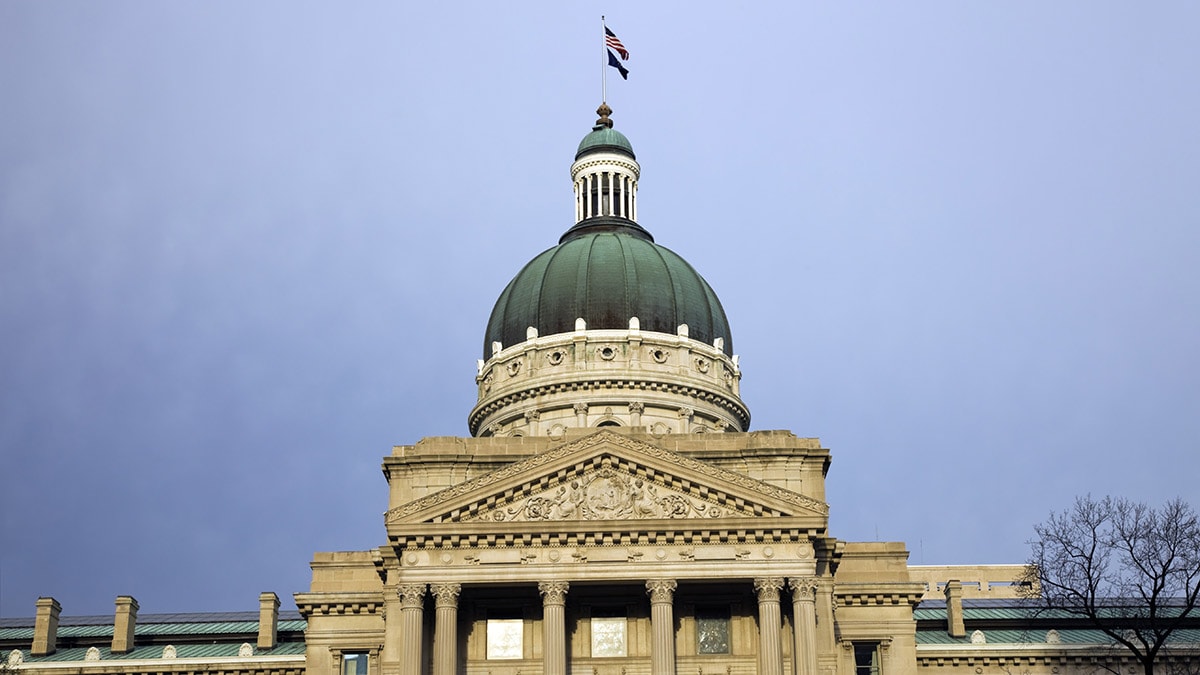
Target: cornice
{"points": [[608, 384], [338, 604]]}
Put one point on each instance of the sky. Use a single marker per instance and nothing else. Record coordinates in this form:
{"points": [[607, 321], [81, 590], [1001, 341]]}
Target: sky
{"points": [[246, 248]]}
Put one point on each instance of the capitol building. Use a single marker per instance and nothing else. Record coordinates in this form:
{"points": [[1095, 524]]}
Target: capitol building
{"points": [[611, 513]]}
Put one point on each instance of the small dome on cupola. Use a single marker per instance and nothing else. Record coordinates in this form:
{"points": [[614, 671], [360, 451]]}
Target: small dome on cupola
{"points": [[615, 304], [604, 137]]}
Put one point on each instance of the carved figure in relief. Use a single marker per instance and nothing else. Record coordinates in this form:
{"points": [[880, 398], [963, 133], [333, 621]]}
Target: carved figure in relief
{"points": [[644, 505], [608, 495], [605, 495], [569, 506]]}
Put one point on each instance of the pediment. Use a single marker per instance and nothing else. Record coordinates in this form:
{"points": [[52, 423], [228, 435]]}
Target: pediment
{"points": [[607, 476]]}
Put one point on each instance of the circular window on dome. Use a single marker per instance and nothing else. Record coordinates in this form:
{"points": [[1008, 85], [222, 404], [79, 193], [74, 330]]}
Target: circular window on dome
{"points": [[607, 353], [556, 357], [514, 367], [659, 355]]}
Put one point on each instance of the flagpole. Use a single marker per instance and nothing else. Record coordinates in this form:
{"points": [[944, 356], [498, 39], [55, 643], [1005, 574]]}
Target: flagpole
{"points": [[603, 62]]}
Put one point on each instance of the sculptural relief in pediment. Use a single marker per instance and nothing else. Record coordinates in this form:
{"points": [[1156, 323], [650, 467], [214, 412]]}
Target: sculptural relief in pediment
{"points": [[607, 476], [604, 494]]}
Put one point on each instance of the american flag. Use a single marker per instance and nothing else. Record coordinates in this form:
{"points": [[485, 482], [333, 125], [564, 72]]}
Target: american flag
{"points": [[611, 40]]}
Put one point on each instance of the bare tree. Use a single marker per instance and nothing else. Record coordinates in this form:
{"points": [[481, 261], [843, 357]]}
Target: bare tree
{"points": [[1130, 570]]}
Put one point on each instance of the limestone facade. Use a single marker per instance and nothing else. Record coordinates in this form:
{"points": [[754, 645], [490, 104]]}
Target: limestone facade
{"points": [[612, 551], [657, 382]]}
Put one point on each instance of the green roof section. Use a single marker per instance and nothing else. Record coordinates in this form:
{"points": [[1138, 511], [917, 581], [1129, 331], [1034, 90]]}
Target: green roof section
{"points": [[182, 630], [605, 138], [182, 651], [1035, 636]]}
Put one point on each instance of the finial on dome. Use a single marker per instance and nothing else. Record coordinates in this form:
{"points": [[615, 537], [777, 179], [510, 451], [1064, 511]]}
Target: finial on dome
{"points": [[604, 111]]}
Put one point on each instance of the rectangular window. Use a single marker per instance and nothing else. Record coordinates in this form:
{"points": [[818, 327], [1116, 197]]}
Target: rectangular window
{"points": [[712, 630], [866, 658], [505, 638], [608, 632], [354, 663]]}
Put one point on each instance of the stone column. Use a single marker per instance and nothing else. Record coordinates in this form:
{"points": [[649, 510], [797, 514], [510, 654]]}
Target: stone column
{"points": [[532, 417], [804, 609], [662, 626], [635, 413], [412, 615], [685, 420], [445, 629], [770, 623], [581, 410], [554, 627]]}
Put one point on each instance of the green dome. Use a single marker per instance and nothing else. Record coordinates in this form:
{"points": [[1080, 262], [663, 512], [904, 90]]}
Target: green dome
{"points": [[607, 270], [605, 138]]}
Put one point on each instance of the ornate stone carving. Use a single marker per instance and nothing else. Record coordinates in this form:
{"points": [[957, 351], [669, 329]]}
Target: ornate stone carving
{"points": [[804, 589], [768, 588], [553, 592], [93, 654], [533, 415], [805, 549], [659, 355], [702, 364], [661, 590], [637, 407], [411, 596], [446, 595], [978, 638], [246, 650], [606, 352], [556, 357], [16, 657], [169, 652], [580, 408], [606, 494], [513, 367]]}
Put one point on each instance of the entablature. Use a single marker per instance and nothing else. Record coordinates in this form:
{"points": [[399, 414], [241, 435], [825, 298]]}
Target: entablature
{"points": [[339, 604]]}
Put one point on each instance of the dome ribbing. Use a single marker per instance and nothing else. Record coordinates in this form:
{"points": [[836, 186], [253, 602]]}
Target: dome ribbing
{"points": [[605, 271]]}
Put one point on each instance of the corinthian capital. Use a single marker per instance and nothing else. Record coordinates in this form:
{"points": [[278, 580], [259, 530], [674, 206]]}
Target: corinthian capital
{"points": [[768, 588], [553, 592], [661, 590], [411, 595], [803, 589], [446, 595]]}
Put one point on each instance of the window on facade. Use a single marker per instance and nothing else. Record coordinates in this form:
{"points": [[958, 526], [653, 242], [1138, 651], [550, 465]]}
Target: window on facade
{"points": [[505, 638], [354, 663], [608, 632], [866, 658], [712, 630]]}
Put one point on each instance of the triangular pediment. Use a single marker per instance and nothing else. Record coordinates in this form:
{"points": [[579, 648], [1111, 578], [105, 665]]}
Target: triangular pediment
{"points": [[607, 476]]}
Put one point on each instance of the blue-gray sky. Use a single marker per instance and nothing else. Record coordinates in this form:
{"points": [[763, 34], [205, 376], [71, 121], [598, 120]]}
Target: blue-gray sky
{"points": [[245, 248]]}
